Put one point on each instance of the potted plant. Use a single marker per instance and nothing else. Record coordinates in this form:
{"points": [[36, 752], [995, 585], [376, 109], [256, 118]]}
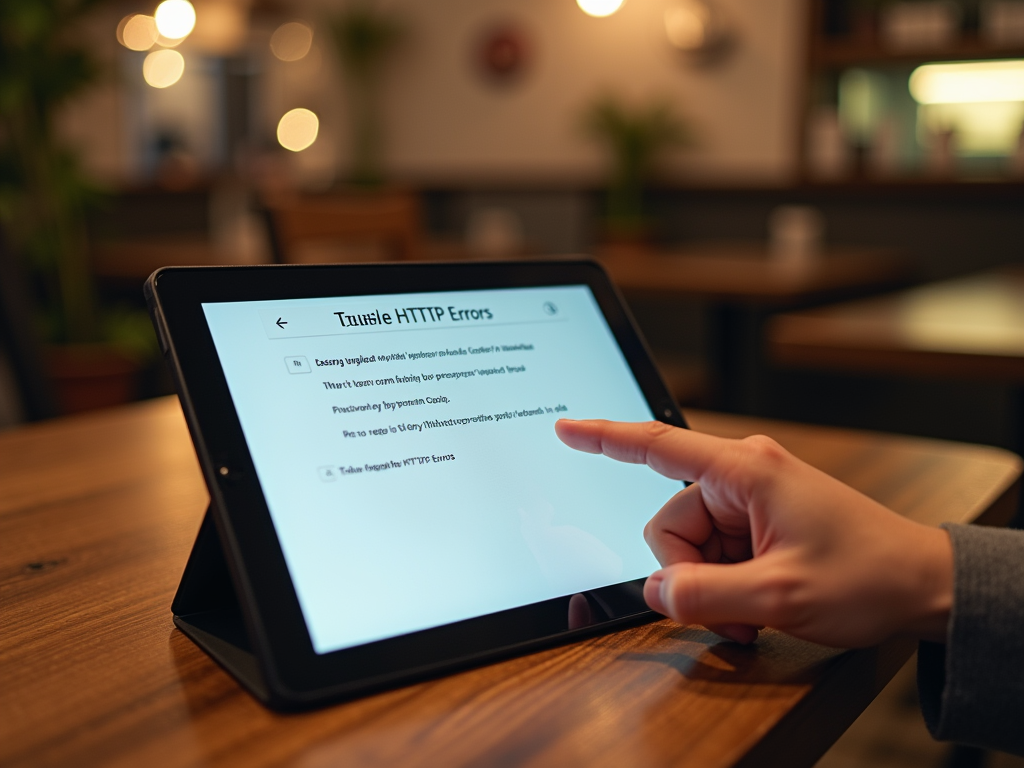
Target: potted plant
{"points": [[94, 356], [366, 39], [635, 138]]}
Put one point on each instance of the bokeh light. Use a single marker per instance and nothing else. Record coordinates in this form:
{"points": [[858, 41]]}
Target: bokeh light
{"points": [[297, 129], [968, 82], [163, 68], [599, 8], [980, 102], [291, 41], [175, 19], [686, 24], [137, 32], [169, 42]]}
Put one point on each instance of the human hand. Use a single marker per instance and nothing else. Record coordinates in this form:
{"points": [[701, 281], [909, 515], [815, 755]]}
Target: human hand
{"points": [[764, 539]]}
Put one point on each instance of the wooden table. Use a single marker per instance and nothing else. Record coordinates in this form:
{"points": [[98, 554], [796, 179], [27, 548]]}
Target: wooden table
{"points": [[745, 274], [972, 327], [968, 328], [97, 514], [740, 287]]}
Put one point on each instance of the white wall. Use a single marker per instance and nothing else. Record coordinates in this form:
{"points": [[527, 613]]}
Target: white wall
{"points": [[447, 124], [446, 121]]}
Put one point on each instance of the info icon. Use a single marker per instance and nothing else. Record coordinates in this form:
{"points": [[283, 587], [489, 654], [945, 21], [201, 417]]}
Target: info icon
{"points": [[297, 365], [327, 474]]}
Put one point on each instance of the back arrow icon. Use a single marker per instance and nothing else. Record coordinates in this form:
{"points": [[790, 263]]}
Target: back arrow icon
{"points": [[281, 323]]}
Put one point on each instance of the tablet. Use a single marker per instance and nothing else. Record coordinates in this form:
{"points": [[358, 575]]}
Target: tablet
{"points": [[388, 497]]}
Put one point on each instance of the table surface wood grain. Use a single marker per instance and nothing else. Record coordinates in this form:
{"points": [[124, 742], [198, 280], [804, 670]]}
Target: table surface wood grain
{"points": [[97, 515], [746, 274], [971, 328]]}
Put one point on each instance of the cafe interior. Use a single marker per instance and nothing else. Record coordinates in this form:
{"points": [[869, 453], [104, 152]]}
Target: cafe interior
{"points": [[814, 210]]}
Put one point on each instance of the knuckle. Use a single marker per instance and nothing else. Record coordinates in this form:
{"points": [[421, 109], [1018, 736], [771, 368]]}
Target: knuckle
{"points": [[683, 593], [785, 600], [655, 430], [764, 448], [650, 532]]}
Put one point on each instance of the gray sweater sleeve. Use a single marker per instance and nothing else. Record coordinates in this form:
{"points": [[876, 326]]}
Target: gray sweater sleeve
{"points": [[972, 688]]}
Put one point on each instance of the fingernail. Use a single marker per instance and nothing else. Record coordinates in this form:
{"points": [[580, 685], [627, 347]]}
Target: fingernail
{"points": [[652, 592], [744, 635]]}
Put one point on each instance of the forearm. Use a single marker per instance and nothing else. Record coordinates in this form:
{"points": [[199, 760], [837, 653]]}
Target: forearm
{"points": [[972, 688]]}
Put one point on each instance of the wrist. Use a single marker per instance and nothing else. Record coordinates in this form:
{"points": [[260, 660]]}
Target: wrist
{"points": [[931, 596]]}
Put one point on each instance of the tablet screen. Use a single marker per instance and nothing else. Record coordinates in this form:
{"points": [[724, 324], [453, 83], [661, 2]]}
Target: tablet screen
{"points": [[406, 450]]}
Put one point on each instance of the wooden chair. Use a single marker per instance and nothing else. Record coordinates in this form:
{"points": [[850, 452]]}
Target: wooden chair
{"points": [[345, 227]]}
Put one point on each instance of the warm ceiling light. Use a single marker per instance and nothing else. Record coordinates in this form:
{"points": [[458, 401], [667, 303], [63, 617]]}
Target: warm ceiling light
{"points": [[968, 82], [163, 68], [297, 129], [175, 18], [137, 32], [291, 41], [599, 8]]}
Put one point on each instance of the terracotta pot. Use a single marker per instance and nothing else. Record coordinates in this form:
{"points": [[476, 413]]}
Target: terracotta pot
{"points": [[631, 245], [90, 376]]}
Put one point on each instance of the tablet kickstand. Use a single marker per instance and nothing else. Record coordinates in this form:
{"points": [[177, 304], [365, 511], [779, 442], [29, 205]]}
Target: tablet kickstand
{"points": [[206, 609]]}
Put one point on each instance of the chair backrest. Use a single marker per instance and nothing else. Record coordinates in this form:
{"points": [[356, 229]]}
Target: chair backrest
{"points": [[19, 339], [304, 229]]}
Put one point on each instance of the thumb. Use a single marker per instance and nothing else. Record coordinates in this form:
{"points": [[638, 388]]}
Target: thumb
{"points": [[714, 594]]}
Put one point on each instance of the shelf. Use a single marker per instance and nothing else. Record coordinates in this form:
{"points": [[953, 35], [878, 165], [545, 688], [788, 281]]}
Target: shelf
{"points": [[996, 188], [845, 53]]}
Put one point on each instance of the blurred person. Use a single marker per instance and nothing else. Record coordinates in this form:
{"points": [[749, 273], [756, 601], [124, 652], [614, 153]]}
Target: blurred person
{"points": [[762, 539]]}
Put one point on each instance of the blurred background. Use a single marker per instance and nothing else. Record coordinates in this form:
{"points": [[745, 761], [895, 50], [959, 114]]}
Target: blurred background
{"points": [[725, 157], [815, 208]]}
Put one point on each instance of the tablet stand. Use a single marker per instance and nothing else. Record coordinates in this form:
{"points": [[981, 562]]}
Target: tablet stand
{"points": [[206, 609]]}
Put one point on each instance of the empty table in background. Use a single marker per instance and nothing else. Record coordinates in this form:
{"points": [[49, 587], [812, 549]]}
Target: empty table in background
{"points": [[740, 286], [968, 328], [746, 274]]}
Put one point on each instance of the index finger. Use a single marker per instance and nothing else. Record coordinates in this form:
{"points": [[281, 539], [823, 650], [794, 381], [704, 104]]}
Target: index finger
{"points": [[680, 454]]}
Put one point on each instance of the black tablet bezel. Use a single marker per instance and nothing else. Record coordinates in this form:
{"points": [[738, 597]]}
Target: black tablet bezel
{"points": [[294, 672]]}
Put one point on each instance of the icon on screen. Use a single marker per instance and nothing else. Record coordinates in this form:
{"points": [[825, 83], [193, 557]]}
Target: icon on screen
{"points": [[550, 308], [327, 474], [297, 365]]}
